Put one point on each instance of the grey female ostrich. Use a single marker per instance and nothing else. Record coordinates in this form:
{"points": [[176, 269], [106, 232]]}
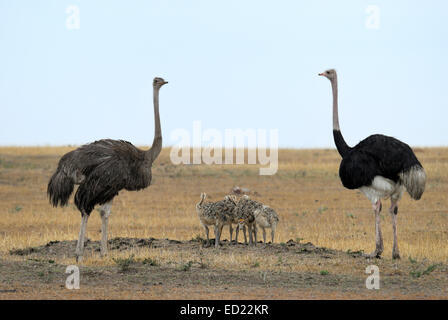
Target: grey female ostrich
{"points": [[380, 167], [102, 169]]}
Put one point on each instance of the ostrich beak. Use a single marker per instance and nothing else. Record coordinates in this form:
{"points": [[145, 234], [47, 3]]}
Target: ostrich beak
{"points": [[165, 82], [320, 74]]}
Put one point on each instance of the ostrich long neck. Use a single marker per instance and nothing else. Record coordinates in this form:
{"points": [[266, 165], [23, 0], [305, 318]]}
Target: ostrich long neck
{"points": [[157, 142], [341, 145]]}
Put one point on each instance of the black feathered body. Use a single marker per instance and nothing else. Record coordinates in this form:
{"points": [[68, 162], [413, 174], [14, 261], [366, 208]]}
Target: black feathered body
{"points": [[377, 155], [380, 156], [101, 169]]}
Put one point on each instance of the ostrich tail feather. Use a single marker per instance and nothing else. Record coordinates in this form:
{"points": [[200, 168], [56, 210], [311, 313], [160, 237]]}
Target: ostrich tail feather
{"points": [[414, 179], [59, 189]]}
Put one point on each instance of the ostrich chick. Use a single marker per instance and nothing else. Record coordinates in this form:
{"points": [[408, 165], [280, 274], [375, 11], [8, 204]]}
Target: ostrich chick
{"points": [[266, 218]]}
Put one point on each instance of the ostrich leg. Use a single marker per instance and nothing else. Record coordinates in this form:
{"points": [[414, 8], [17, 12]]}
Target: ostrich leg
{"points": [[378, 236], [105, 213], [274, 226], [207, 234], [82, 232], [393, 212], [251, 235], [218, 230], [237, 230], [264, 235], [244, 233], [254, 228]]}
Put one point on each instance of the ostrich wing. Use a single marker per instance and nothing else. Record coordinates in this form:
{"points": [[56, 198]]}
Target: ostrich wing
{"points": [[102, 184], [392, 155], [377, 155], [358, 169]]}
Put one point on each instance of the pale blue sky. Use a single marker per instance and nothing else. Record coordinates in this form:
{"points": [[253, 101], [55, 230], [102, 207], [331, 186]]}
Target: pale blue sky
{"points": [[230, 64]]}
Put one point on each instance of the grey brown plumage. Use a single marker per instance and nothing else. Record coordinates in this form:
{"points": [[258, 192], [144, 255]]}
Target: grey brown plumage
{"points": [[266, 217], [246, 207], [101, 169], [218, 214], [244, 212]]}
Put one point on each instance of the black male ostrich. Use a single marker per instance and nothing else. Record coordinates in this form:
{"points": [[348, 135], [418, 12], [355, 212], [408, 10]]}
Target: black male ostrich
{"points": [[380, 167], [102, 169]]}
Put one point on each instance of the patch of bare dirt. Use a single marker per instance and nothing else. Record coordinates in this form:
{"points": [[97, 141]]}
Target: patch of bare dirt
{"points": [[60, 249], [37, 276]]}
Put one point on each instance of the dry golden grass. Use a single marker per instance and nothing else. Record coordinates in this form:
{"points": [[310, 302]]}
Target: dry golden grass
{"points": [[306, 192]]}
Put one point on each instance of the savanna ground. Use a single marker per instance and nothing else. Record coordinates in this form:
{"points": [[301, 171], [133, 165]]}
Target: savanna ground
{"points": [[156, 251]]}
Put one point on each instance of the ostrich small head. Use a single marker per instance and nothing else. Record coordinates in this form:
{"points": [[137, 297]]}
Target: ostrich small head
{"points": [[158, 82], [330, 74]]}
